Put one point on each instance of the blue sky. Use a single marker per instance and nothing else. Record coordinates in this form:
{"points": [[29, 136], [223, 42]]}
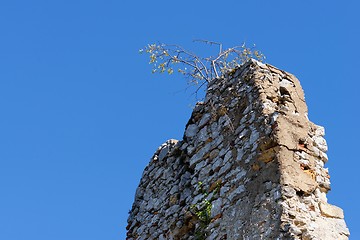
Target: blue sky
{"points": [[81, 114]]}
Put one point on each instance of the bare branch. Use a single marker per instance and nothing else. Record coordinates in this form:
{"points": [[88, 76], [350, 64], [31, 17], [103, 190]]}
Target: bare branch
{"points": [[164, 57]]}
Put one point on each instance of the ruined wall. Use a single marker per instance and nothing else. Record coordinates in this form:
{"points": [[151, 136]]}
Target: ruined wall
{"points": [[250, 166]]}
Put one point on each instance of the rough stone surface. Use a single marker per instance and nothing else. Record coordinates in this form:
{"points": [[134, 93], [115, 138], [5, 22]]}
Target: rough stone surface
{"points": [[250, 166], [329, 210]]}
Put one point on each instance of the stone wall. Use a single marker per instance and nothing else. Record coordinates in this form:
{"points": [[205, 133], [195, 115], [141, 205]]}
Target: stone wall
{"points": [[250, 166]]}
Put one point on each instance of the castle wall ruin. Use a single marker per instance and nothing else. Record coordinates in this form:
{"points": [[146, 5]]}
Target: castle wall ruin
{"points": [[250, 166]]}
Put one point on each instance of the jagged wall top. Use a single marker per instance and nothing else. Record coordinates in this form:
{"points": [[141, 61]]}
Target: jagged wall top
{"points": [[250, 166]]}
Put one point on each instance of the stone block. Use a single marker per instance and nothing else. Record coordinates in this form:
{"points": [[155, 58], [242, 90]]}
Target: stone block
{"points": [[329, 210]]}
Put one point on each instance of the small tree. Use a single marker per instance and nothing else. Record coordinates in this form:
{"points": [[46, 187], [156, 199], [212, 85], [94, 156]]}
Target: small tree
{"points": [[167, 57]]}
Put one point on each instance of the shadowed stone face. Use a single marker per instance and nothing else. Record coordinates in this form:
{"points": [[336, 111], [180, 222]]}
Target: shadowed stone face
{"points": [[250, 166]]}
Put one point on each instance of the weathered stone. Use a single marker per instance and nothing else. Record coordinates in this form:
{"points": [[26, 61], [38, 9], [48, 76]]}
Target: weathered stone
{"points": [[205, 119], [227, 156], [320, 131], [200, 154], [200, 165], [225, 168], [329, 210], [191, 130], [240, 154], [250, 166], [320, 143], [163, 153], [203, 135], [216, 207], [236, 192], [214, 153], [174, 189]]}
